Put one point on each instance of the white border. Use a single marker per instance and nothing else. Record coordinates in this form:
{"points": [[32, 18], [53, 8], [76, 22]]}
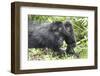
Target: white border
{"points": [[24, 64]]}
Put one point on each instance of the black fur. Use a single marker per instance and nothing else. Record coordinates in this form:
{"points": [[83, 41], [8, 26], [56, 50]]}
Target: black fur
{"points": [[51, 35]]}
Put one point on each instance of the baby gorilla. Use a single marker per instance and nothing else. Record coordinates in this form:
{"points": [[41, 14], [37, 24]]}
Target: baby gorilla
{"points": [[52, 35]]}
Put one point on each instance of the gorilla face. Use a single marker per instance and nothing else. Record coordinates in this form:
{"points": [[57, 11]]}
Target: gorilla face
{"points": [[69, 37]]}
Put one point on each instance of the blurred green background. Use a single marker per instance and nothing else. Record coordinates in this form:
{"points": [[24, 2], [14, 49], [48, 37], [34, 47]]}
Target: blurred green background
{"points": [[80, 25]]}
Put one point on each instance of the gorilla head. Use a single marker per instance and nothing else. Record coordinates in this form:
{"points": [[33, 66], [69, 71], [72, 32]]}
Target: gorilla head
{"points": [[69, 37]]}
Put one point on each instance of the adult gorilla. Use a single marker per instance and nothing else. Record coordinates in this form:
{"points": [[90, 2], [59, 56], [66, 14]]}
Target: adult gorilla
{"points": [[52, 35]]}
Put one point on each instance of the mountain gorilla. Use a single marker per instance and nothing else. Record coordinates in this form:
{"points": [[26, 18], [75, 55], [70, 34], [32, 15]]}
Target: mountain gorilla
{"points": [[52, 35]]}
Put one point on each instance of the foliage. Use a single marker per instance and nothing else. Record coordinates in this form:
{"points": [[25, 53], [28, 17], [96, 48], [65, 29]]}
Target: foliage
{"points": [[80, 25]]}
